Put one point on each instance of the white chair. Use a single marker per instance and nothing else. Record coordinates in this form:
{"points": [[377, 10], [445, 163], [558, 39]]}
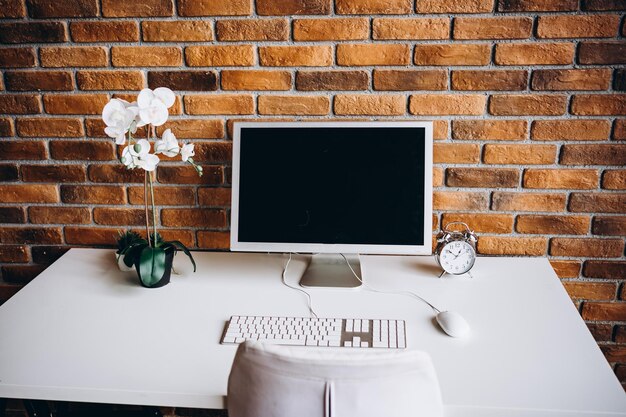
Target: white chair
{"points": [[280, 381]]}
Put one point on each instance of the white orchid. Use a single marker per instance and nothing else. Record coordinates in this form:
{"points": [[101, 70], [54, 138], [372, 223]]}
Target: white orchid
{"points": [[167, 145], [119, 116], [148, 162], [139, 149], [153, 105], [187, 151], [128, 159]]}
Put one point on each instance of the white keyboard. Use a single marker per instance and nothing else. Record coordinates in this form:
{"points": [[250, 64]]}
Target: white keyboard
{"points": [[301, 331]]}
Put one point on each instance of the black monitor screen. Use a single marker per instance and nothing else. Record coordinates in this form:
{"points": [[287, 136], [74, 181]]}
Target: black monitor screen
{"points": [[332, 185]]}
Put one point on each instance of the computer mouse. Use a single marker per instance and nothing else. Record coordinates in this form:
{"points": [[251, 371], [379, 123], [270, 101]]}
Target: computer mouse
{"points": [[453, 324]]}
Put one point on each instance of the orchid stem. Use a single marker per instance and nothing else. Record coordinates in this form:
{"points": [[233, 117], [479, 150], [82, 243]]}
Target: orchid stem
{"points": [[145, 200], [153, 208]]}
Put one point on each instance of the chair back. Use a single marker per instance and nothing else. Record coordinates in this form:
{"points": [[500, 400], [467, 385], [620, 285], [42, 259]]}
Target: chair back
{"points": [[280, 381]]}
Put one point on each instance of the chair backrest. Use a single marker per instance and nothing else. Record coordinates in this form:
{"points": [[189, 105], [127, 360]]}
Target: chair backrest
{"points": [[279, 381]]}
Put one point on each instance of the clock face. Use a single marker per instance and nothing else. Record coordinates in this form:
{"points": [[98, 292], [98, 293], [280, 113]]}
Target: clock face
{"points": [[457, 257]]}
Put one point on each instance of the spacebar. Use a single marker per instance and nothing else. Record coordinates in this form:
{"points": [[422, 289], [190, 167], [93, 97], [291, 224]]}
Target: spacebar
{"points": [[293, 342]]}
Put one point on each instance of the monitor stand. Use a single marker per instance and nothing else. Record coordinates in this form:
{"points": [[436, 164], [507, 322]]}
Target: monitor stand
{"points": [[330, 270]]}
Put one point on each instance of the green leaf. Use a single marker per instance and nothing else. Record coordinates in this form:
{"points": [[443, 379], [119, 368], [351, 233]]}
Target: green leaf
{"points": [[182, 247], [132, 252], [151, 265]]}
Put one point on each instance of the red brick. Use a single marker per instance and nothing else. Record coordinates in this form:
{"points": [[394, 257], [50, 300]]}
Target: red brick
{"points": [[555, 80], [171, 196], [77, 235], [331, 29], [38, 80], [139, 8], [452, 54], [195, 128], [373, 6], [30, 235], [292, 7], [599, 104], [13, 253], [17, 57], [369, 54], [295, 56], [609, 226], [598, 202], [367, 104], [177, 31], [59, 215], [524, 201], [73, 56], [492, 27], [75, 103], [411, 29], [146, 56], [19, 149], [6, 127], [604, 311], [220, 56], [592, 129], [213, 240], [53, 173], [552, 225], [214, 7], [456, 153], [296, 105], [107, 31], [519, 154], [576, 179], [12, 9], [115, 174], [255, 80], [19, 104], [489, 129], [603, 5], [602, 53], [252, 30], [590, 290], [183, 80], [205, 218], [22, 193], [534, 53], [48, 127], [85, 151], [332, 80], [214, 197], [47, 254], [219, 104], [406, 80], [12, 215], [457, 6], [593, 155], [578, 26], [566, 269], [614, 179], [213, 152], [482, 223], [514, 105], [501, 245], [8, 172], [482, 177], [93, 194], [489, 80], [587, 247], [537, 5], [605, 269], [21, 274], [32, 32], [447, 104], [619, 129], [213, 175], [119, 216], [110, 80], [460, 200], [43, 9]]}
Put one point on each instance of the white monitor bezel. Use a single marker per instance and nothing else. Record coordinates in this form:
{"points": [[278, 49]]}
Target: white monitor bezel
{"points": [[425, 249]]}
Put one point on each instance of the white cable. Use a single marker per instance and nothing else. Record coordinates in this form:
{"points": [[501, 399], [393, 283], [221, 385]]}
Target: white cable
{"points": [[308, 296], [369, 288]]}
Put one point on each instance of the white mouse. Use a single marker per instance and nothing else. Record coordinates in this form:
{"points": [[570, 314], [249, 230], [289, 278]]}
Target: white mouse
{"points": [[453, 324]]}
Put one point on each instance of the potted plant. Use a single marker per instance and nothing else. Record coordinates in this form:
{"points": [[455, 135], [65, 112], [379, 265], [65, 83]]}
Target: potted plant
{"points": [[152, 257]]}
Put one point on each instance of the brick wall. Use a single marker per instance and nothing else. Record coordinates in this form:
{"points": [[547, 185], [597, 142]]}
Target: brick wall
{"points": [[528, 98]]}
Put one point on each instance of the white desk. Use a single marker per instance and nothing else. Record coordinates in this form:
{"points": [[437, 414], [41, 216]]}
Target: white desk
{"points": [[83, 331]]}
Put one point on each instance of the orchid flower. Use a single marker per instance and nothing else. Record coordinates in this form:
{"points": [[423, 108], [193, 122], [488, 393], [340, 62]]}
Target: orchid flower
{"points": [[167, 145], [148, 162], [119, 116], [153, 105], [186, 152]]}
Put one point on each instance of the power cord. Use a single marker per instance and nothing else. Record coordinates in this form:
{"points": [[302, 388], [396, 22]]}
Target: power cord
{"points": [[308, 296]]}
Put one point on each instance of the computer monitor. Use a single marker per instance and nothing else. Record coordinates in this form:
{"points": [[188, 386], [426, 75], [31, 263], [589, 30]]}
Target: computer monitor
{"points": [[332, 188]]}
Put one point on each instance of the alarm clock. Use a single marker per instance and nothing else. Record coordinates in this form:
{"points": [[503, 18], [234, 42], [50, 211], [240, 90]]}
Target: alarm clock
{"points": [[456, 250]]}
